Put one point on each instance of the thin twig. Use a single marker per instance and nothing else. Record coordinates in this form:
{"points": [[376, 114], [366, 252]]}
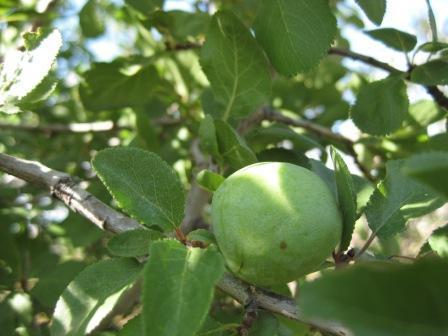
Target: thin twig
{"points": [[77, 199], [436, 94], [272, 115], [366, 245], [363, 58]]}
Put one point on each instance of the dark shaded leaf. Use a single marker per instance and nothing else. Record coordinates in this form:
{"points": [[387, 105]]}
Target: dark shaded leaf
{"points": [[394, 38], [235, 66], [296, 34], [381, 106], [430, 169], [107, 86], [132, 243], [374, 9], [174, 278], [346, 198], [383, 298], [91, 20], [232, 146], [432, 73]]}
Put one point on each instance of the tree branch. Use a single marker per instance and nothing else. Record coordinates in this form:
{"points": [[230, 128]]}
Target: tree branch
{"points": [[321, 131], [363, 58], [77, 199], [197, 197], [436, 94], [63, 187]]}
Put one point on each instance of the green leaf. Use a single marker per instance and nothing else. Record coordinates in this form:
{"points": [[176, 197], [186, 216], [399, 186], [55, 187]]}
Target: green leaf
{"points": [[381, 106], [178, 24], [432, 73], [273, 134], [438, 142], [145, 6], [346, 198], [178, 288], [432, 21], [382, 298], [203, 235], [397, 199], [431, 169], [363, 188], [51, 285], [433, 46], [437, 242], [265, 325], [296, 34], [22, 72], [209, 180], [132, 243], [114, 86], [374, 9], [91, 295], [143, 185], [210, 105], [283, 155], [146, 131], [235, 66], [425, 112], [91, 20], [207, 137], [132, 328], [394, 38], [232, 146], [41, 92]]}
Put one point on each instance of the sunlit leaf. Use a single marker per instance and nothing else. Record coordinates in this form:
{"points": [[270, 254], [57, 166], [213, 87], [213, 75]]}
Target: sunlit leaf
{"points": [[90, 296], [209, 180], [437, 242], [397, 199], [23, 71], [143, 185]]}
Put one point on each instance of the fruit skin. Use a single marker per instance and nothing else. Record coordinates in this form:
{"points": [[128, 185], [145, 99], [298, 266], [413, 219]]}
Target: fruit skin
{"points": [[275, 222]]}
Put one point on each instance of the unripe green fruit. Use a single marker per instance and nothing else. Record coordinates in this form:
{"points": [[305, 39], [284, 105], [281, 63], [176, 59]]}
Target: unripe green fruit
{"points": [[275, 222]]}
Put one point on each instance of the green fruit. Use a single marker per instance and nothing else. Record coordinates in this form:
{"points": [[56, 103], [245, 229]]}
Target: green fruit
{"points": [[275, 222]]}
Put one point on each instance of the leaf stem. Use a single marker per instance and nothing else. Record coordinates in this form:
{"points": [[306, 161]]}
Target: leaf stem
{"points": [[366, 244]]}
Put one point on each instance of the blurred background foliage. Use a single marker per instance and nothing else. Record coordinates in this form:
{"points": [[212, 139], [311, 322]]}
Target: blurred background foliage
{"points": [[134, 66]]}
